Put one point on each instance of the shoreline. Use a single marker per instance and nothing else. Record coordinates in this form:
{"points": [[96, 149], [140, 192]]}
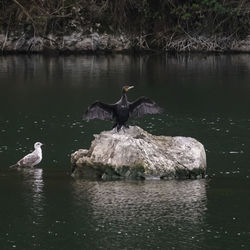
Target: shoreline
{"points": [[95, 43]]}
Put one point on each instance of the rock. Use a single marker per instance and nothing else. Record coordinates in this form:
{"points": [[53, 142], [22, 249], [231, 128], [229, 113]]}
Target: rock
{"points": [[134, 153]]}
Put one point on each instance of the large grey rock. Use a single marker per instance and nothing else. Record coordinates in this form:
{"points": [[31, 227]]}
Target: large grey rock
{"points": [[134, 153]]}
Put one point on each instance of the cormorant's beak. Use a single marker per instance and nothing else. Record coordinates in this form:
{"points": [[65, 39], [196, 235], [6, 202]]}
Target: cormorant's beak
{"points": [[130, 87]]}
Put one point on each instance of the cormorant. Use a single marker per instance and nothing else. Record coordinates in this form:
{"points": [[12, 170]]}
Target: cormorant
{"points": [[122, 110], [31, 159]]}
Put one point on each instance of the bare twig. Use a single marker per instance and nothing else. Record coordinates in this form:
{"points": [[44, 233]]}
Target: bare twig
{"points": [[27, 14], [6, 35]]}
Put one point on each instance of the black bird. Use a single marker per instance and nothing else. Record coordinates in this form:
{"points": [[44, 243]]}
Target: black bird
{"points": [[122, 110]]}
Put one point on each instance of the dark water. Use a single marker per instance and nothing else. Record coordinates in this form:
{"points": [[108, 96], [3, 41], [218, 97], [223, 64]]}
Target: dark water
{"points": [[43, 99]]}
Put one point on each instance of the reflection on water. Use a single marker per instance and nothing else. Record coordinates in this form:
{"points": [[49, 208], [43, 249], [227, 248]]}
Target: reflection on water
{"points": [[145, 211], [117, 70], [33, 182], [22, 210]]}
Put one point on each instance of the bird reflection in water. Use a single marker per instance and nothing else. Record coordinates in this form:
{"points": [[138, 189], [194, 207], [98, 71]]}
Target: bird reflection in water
{"points": [[33, 180]]}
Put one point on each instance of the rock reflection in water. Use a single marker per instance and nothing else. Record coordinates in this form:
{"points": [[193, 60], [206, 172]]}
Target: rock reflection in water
{"points": [[146, 211]]}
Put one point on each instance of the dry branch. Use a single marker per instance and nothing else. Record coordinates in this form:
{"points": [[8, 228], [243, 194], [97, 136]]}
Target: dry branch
{"points": [[27, 14]]}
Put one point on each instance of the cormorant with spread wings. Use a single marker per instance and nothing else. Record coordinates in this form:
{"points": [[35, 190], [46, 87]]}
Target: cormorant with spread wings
{"points": [[122, 110]]}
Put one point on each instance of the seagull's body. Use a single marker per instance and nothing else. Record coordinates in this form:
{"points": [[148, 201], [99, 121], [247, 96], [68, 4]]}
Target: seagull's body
{"points": [[31, 159]]}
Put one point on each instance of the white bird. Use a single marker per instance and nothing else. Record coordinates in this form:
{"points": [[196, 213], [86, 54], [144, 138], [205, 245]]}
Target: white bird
{"points": [[31, 159]]}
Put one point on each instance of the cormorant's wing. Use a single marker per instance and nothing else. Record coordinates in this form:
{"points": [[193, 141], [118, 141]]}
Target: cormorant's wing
{"points": [[100, 110], [143, 106]]}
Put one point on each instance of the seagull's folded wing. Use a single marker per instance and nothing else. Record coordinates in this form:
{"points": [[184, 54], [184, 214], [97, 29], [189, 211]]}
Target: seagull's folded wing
{"points": [[29, 159]]}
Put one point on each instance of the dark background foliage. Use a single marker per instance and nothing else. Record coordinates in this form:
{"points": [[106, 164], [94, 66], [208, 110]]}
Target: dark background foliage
{"points": [[156, 20]]}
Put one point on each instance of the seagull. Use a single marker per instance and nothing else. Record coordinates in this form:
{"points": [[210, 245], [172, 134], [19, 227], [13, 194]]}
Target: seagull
{"points": [[31, 159]]}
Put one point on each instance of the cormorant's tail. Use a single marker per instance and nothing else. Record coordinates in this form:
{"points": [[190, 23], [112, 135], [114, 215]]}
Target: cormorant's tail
{"points": [[14, 166]]}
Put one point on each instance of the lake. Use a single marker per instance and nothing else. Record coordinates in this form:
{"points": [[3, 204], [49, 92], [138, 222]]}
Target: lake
{"points": [[43, 98]]}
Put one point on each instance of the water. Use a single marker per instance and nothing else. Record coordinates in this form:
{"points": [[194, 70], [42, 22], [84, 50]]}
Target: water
{"points": [[44, 98]]}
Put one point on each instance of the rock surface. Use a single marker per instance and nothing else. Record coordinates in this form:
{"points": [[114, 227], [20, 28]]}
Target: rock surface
{"points": [[134, 153]]}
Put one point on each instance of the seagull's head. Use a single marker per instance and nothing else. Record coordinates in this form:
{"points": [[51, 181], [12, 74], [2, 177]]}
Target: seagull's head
{"points": [[125, 89], [37, 145]]}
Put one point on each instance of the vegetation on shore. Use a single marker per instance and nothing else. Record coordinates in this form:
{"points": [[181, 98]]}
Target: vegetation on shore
{"points": [[159, 24]]}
